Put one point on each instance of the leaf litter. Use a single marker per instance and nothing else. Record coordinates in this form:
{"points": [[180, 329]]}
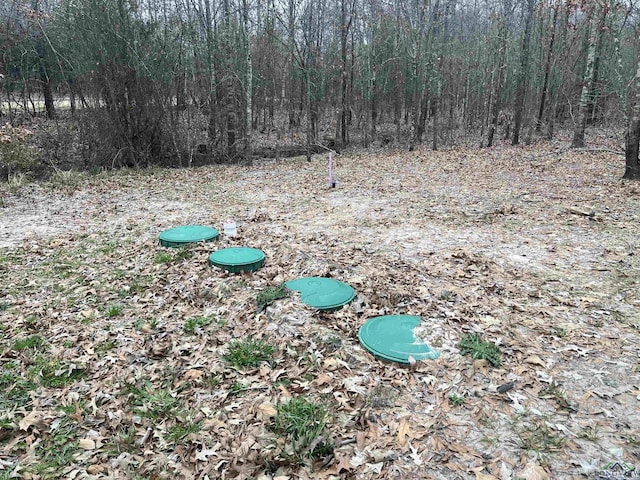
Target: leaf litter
{"points": [[535, 249]]}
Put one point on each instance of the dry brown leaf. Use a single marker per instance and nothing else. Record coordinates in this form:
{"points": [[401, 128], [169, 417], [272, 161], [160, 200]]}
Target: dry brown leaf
{"points": [[87, 444], [32, 418], [404, 432], [481, 366], [535, 360], [485, 476], [95, 469], [266, 410], [193, 374], [323, 379], [533, 471]]}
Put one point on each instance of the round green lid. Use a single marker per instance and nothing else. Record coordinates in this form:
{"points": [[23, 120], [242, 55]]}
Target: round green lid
{"points": [[391, 337], [322, 293], [238, 259], [179, 236]]}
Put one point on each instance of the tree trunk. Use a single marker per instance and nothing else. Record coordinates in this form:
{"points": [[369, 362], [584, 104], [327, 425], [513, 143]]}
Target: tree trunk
{"points": [[344, 34], [632, 165], [212, 124], [292, 66], [47, 93], [581, 124], [308, 102], [248, 80], [497, 88], [547, 70], [592, 111], [230, 104], [522, 76]]}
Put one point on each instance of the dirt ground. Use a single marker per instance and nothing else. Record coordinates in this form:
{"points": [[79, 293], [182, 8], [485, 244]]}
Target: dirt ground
{"points": [[535, 248]]}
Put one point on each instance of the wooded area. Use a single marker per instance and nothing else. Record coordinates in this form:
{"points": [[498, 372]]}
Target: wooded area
{"points": [[172, 82]]}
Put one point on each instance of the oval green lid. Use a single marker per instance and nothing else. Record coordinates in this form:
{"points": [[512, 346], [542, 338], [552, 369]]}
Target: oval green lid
{"points": [[322, 293], [178, 236], [391, 337], [238, 259]]}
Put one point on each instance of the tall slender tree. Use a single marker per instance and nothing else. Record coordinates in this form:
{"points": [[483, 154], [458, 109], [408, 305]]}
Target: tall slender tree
{"points": [[632, 137], [587, 80], [523, 73]]}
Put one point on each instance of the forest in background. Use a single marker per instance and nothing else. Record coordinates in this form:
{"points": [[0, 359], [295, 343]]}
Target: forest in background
{"points": [[183, 82]]}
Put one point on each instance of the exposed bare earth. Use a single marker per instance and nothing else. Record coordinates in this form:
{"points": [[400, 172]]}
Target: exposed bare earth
{"points": [[535, 248]]}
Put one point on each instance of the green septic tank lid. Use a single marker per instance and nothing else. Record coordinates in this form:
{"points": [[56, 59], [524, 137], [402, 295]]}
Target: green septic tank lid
{"points": [[390, 337], [322, 293], [179, 236], [238, 259]]}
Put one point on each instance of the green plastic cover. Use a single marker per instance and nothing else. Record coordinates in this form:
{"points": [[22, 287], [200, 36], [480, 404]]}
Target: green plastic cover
{"points": [[238, 259], [390, 337], [179, 236], [322, 293]]}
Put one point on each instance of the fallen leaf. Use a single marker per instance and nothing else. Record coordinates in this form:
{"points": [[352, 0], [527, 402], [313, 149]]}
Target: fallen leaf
{"points": [[415, 455], [323, 378], [481, 366], [484, 476], [95, 469], [342, 464], [535, 360], [193, 374], [404, 432], [204, 454], [86, 444], [266, 410], [32, 418], [532, 471]]}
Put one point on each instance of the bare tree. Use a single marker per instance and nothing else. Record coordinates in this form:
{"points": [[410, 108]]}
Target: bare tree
{"points": [[587, 80], [522, 74], [632, 139]]}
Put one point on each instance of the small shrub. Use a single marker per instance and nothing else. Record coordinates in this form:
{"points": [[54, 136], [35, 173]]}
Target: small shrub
{"points": [[15, 153], [472, 344], [67, 180]]}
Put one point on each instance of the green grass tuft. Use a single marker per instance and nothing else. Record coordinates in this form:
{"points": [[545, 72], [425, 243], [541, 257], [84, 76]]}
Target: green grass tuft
{"points": [[195, 323], [456, 400], [162, 257], [473, 345], [53, 374], [180, 431], [151, 403], [248, 353], [34, 342], [302, 424], [270, 295], [114, 311], [15, 389]]}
